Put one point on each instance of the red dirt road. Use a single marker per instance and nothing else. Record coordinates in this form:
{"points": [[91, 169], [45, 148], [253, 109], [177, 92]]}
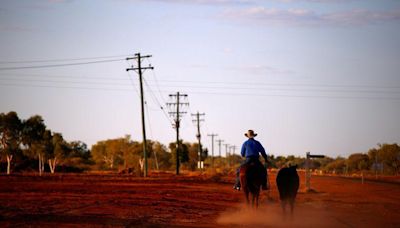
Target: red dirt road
{"points": [[164, 200]]}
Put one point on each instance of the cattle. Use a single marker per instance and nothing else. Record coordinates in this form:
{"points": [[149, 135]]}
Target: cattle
{"points": [[287, 181]]}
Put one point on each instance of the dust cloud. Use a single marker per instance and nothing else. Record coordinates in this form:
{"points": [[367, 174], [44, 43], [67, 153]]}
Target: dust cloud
{"points": [[271, 215]]}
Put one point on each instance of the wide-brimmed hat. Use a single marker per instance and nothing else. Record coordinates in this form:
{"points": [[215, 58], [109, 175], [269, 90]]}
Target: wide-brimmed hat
{"points": [[250, 134]]}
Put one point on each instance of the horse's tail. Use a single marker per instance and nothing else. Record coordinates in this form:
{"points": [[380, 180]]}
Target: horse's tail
{"points": [[253, 177], [249, 178]]}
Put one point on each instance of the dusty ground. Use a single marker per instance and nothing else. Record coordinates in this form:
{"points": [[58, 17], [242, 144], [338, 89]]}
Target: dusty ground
{"points": [[164, 200]]}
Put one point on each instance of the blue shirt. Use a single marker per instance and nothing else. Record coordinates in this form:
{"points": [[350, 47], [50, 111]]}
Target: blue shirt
{"points": [[251, 149]]}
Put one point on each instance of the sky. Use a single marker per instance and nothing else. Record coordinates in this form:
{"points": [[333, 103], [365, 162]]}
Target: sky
{"points": [[306, 75]]}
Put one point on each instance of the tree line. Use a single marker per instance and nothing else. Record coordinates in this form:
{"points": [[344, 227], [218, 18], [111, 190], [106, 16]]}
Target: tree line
{"points": [[385, 159], [27, 145]]}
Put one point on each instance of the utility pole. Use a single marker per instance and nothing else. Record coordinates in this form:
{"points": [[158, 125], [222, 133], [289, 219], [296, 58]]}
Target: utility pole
{"points": [[219, 141], [227, 153], [177, 114], [212, 147], [234, 148], [226, 149], [198, 120], [139, 69]]}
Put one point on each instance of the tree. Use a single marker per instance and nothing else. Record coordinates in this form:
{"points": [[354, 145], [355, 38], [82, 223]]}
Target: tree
{"points": [[10, 136], [357, 162], [57, 149], [183, 152], [336, 166], [193, 155], [113, 152], [76, 157], [163, 157], [389, 155], [101, 155], [32, 137]]}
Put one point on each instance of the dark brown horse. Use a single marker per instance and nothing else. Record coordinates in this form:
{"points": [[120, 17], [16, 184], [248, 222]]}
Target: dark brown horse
{"points": [[251, 181]]}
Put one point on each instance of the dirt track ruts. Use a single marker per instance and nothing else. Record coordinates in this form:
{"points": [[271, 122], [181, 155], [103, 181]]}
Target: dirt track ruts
{"points": [[164, 200]]}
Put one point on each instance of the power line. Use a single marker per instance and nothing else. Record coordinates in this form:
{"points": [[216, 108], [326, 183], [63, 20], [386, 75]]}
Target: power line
{"points": [[266, 86], [59, 60], [225, 88], [62, 81], [281, 84], [109, 78], [295, 96], [59, 65], [289, 89], [64, 87], [156, 80], [133, 84], [159, 104], [216, 93]]}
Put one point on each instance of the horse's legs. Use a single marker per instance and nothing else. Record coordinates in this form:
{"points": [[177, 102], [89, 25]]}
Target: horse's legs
{"points": [[246, 193], [257, 196], [291, 207], [283, 205]]}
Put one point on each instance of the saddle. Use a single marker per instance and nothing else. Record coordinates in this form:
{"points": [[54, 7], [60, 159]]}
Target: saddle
{"points": [[260, 169]]}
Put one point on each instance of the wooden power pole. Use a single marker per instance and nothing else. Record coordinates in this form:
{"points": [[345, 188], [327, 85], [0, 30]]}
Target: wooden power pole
{"points": [[219, 141], [212, 148], [177, 114], [139, 69], [200, 150]]}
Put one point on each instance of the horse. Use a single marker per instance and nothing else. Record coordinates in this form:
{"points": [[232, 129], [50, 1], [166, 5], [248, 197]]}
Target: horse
{"points": [[287, 181], [251, 181]]}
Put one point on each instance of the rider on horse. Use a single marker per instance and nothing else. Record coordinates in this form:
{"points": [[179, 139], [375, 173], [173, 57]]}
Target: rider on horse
{"points": [[251, 149]]}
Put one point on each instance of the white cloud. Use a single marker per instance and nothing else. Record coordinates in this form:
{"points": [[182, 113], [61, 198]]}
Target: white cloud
{"points": [[304, 17]]}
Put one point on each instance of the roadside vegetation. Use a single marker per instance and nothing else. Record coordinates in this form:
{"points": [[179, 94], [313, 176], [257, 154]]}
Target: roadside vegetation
{"points": [[27, 145]]}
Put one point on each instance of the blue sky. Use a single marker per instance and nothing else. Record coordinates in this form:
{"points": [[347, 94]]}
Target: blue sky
{"points": [[306, 75]]}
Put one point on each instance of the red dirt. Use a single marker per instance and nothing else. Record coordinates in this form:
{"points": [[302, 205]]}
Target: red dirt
{"points": [[165, 200]]}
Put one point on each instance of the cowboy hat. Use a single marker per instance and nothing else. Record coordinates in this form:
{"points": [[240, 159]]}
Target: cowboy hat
{"points": [[250, 134]]}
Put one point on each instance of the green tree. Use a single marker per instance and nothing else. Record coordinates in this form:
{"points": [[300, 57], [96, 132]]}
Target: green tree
{"points": [[76, 156], [357, 162], [163, 157], [193, 155], [10, 136], [102, 156], [336, 166], [389, 155], [57, 150], [183, 152], [32, 137], [124, 152]]}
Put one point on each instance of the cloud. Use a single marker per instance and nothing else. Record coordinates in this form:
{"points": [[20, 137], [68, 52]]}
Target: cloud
{"points": [[304, 17]]}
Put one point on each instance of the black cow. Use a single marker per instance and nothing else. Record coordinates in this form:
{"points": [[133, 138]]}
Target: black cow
{"points": [[287, 181]]}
